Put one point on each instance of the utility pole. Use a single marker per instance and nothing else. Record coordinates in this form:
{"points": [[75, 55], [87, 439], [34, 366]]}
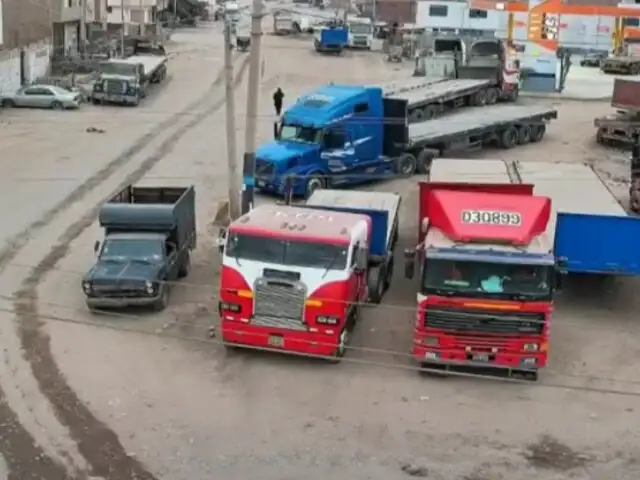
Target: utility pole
{"points": [[232, 149], [249, 163], [122, 29], [175, 13], [143, 26], [83, 26]]}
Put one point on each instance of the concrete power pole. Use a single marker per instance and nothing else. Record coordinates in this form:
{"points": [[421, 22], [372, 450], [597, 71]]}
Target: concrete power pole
{"points": [[122, 29], [232, 149], [143, 22], [249, 164], [83, 26]]}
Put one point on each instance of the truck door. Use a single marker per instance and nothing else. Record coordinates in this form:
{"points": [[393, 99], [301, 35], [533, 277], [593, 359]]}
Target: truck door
{"points": [[338, 151], [396, 127]]}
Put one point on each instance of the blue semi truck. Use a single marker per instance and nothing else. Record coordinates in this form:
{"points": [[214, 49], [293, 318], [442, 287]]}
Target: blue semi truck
{"points": [[332, 38], [343, 135]]}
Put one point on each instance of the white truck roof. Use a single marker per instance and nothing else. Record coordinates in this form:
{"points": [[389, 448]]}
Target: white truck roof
{"points": [[572, 187], [149, 62], [486, 171], [378, 201]]}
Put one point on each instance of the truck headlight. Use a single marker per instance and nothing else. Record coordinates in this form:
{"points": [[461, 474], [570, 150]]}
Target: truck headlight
{"points": [[324, 320], [531, 347], [86, 286], [150, 287]]}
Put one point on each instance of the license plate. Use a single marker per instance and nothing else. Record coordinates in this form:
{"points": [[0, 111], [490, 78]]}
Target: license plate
{"points": [[276, 341], [261, 183], [480, 358]]}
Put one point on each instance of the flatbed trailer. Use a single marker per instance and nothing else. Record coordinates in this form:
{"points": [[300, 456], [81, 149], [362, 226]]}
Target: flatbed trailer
{"points": [[629, 65], [505, 125], [592, 231], [620, 127]]}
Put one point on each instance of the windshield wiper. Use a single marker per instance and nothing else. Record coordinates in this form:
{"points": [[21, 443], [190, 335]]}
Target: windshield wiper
{"points": [[331, 263], [146, 261]]}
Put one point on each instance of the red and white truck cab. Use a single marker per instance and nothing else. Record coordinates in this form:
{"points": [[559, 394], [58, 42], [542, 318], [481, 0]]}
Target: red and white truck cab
{"points": [[487, 270], [292, 278]]}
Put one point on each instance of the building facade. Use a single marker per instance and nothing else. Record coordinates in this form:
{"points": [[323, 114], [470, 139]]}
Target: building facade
{"points": [[136, 14], [24, 22]]}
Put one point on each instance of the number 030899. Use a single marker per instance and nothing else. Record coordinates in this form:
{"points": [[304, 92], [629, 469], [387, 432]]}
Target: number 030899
{"points": [[492, 217]]}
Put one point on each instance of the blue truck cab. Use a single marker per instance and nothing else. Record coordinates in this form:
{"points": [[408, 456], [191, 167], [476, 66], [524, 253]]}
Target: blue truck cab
{"points": [[337, 136], [331, 39]]}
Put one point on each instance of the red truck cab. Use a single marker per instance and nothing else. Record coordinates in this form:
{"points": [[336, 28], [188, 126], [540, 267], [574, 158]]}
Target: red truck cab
{"points": [[487, 277], [292, 279]]}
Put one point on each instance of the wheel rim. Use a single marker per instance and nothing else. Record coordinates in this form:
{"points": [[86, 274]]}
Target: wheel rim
{"points": [[342, 345], [314, 184], [407, 166]]}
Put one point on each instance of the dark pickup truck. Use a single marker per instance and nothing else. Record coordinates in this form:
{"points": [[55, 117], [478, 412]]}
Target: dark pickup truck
{"points": [[149, 234]]}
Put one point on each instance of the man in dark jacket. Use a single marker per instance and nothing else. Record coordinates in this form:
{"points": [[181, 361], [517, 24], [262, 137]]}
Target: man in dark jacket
{"points": [[277, 100]]}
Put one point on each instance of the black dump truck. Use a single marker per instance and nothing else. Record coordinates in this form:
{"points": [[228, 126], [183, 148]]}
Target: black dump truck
{"points": [[149, 234]]}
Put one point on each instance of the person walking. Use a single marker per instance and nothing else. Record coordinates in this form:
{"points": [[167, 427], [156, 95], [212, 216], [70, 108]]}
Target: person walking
{"points": [[278, 96]]}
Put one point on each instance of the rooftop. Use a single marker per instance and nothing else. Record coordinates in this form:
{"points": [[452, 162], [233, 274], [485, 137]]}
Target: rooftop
{"points": [[298, 222], [320, 107]]}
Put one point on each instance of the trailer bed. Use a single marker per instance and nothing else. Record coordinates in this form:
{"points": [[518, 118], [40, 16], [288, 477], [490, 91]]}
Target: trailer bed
{"points": [[380, 206], [441, 91], [592, 231], [476, 121], [150, 63], [397, 87]]}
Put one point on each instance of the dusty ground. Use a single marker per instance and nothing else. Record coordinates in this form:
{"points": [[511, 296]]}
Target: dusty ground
{"points": [[124, 406]]}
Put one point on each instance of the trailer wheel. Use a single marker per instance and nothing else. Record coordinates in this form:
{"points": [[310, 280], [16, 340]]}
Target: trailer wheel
{"points": [[430, 112], [313, 184], [388, 275], [480, 98], [406, 165], [537, 132], [524, 134], [425, 159], [416, 116], [492, 96], [509, 138], [375, 283]]}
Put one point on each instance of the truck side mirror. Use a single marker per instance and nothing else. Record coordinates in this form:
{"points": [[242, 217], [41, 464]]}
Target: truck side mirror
{"points": [[362, 259], [96, 247], [409, 263]]}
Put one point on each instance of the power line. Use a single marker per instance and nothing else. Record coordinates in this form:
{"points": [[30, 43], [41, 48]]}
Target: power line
{"points": [[215, 341]]}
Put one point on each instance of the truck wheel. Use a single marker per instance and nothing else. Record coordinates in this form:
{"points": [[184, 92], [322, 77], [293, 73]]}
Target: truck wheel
{"points": [[513, 96], [425, 159], [406, 165], [537, 132], [416, 116], [185, 268], [480, 99], [509, 138], [524, 134], [163, 301], [492, 96], [375, 282], [430, 112], [388, 276], [341, 348], [600, 136], [313, 184]]}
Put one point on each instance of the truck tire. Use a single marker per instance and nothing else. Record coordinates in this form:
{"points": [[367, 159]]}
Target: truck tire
{"points": [[388, 274], [416, 116], [508, 138], [185, 268], [430, 112], [513, 96], [425, 160], [600, 136], [479, 98], [492, 96], [537, 133], [375, 283], [341, 348], [405, 165], [163, 301], [524, 134], [314, 183]]}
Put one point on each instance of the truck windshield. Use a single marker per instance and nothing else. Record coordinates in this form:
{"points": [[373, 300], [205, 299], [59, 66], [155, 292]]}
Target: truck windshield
{"points": [[298, 133], [287, 252], [119, 68], [121, 249], [487, 280], [360, 28]]}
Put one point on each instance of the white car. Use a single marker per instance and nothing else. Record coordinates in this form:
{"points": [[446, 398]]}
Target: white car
{"points": [[43, 96]]}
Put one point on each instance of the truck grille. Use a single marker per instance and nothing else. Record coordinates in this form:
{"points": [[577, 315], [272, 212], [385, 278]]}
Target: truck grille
{"points": [[279, 304], [264, 168], [484, 321], [118, 87], [360, 41]]}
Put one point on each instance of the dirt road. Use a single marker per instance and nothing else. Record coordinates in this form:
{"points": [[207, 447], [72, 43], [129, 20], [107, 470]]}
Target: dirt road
{"points": [[123, 406]]}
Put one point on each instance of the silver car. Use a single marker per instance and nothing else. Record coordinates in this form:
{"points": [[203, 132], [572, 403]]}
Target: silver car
{"points": [[43, 96]]}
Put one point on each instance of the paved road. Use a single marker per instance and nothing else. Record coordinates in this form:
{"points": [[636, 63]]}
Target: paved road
{"points": [[123, 406]]}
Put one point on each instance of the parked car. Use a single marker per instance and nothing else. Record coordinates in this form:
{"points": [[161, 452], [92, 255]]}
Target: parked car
{"points": [[43, 96], [592, 60]]}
